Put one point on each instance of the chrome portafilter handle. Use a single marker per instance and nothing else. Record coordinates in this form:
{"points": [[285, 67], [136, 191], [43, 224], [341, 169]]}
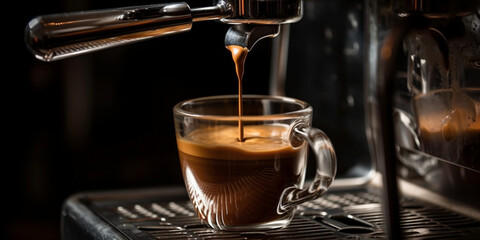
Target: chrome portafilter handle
{"points": [[58, 36]]}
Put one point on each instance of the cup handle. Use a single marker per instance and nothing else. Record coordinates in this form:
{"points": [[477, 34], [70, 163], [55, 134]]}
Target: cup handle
{"points": [[326, 167]]}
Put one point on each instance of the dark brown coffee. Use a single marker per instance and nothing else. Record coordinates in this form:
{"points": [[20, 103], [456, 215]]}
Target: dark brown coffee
{"points": [[240, 183]]}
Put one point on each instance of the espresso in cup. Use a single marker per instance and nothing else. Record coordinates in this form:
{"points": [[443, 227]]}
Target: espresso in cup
{"points": [[240, 183]]}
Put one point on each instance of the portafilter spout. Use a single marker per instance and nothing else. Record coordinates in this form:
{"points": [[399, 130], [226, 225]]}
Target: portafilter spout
{"points": [[246, 35]]}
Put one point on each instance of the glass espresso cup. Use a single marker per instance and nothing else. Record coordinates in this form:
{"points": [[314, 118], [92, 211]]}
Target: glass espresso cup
{"points": [[257, 182]]}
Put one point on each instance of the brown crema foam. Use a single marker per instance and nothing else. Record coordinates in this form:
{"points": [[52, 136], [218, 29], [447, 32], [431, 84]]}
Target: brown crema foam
{"points": [[260, 142]]}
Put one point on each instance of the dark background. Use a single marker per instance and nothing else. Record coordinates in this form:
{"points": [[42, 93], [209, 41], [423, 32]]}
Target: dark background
{"points": [[103, 121]]}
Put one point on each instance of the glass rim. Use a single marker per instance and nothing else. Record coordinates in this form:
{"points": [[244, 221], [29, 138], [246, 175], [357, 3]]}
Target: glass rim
{"points": [[304, 111]]}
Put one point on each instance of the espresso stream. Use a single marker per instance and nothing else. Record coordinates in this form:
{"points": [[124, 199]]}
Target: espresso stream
{"points": [[239, 54]]}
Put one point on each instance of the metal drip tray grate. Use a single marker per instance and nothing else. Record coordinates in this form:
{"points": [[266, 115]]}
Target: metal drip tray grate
{"points": [[338, 215]]}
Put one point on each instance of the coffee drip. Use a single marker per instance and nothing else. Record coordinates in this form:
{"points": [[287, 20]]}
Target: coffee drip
{"points": [[240, 39], [239, 55]]}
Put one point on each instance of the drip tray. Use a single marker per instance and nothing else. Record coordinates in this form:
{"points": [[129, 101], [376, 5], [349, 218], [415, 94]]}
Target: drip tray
{"points": [[168, 214]]}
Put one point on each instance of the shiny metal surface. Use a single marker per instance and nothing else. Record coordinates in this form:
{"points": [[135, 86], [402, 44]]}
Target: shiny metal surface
{"points": [[246, 35], [167, 214], [413, 54], [264, 12], [278, 66], [57, 36], [54, 37]]}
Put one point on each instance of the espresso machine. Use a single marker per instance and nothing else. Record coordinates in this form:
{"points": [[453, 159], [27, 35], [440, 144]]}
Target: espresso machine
{"points": [[377, 73]]}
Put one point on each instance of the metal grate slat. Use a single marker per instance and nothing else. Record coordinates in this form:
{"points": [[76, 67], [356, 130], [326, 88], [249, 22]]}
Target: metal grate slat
{"points": [[177, 220]]}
